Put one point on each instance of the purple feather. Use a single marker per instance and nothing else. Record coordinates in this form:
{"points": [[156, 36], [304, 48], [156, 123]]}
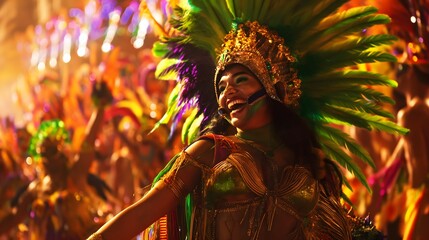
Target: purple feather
{"points": [[196, 73]]}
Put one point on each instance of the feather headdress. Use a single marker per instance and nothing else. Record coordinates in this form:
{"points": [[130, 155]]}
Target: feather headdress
{"points": [[54, 130], [323, 46]]}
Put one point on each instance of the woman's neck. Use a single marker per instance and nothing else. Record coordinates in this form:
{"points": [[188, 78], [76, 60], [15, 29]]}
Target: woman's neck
{"points": [[264, 135]]}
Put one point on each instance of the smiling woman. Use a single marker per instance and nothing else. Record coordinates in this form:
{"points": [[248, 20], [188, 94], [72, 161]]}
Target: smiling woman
{"points": [[261, 167]]}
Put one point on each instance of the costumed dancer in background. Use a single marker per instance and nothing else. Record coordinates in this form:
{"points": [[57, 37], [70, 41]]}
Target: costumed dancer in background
{"points": [[265, 80], [14, 175], [62, 203], [410, 22], [142, 152]]}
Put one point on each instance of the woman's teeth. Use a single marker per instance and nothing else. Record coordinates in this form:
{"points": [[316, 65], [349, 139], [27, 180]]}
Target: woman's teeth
{"points": [[235, 104]]}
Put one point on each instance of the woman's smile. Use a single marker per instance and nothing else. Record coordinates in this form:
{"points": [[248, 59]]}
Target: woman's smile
{"points": [[235, 86], [236, 106]]}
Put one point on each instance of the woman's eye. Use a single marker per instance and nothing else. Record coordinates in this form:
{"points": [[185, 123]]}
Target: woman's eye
{"points": [[241, 78], [221, 89]]}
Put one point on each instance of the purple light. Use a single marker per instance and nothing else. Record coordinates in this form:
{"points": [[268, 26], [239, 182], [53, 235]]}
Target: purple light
{"points": [[38, 30], [107, 6], [129, 12], [76, 13]]}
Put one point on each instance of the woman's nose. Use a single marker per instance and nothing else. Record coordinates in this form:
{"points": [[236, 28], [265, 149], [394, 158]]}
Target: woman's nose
{"points": [[229, 89]]}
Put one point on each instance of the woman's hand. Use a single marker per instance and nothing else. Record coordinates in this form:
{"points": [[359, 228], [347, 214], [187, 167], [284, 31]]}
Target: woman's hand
{"points": [[101, 94]]}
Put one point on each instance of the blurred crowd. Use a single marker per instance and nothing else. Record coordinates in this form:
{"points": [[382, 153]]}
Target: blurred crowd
{"points": [[85, 153]]}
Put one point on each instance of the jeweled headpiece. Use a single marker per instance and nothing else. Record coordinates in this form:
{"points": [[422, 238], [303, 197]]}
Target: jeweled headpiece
{"points": [[264, 53]]}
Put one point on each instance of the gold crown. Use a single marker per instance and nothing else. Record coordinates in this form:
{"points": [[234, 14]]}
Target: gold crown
{"points": [[264, 53]]}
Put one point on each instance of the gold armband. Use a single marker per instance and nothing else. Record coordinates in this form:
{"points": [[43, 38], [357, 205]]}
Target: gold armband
{"points": [[176, 185], [173, 182], [95, 236], [186, 160]]}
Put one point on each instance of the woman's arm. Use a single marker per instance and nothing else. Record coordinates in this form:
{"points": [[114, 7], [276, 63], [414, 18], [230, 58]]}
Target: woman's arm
{"points": [[161, 199], [134, 219], [102, 98]]}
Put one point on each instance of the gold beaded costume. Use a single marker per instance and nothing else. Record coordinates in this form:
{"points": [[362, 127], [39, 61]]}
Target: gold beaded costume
{"points": [[234, 195]]}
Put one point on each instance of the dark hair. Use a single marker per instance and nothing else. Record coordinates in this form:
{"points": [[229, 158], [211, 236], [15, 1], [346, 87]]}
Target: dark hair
{"points": [[218, 125], [295, 132], [301, 138]]}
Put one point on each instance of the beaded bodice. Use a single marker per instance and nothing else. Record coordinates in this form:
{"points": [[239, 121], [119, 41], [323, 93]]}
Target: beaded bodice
{"points": [[235, 187], [238, 175], [238, 200]]}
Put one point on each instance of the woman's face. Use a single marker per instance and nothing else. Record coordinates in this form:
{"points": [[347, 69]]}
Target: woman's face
{"points": [[236, 85]]}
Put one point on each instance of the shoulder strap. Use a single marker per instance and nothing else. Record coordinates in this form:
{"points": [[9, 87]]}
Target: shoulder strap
{"points": [[223, 146]]}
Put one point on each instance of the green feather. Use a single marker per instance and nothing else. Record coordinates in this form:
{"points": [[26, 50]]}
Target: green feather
{"points": [[217, 10], [343, 116], [264, 13], [163, 65], [336, 153], [351, 77], [346, 198], [354, 101], [307, 18], [357, 44], [278, 17], [352, 18], [209, 20], [187, 125], [257, 7], [231, 7], [360, 105], [246, 9], [381, 124], [343, 139], [376, 96], [194, 129], [312, 34], [361, 119], [159, 49], [350, 26], [325, 92], [344, 59], [208, 34]]}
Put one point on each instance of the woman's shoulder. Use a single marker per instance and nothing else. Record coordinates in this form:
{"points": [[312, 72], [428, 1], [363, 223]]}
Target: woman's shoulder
{"points": [[202, 150], [210, 148]]}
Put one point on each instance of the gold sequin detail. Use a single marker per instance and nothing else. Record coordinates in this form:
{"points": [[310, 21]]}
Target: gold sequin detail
{"points": [[176, 185]]}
